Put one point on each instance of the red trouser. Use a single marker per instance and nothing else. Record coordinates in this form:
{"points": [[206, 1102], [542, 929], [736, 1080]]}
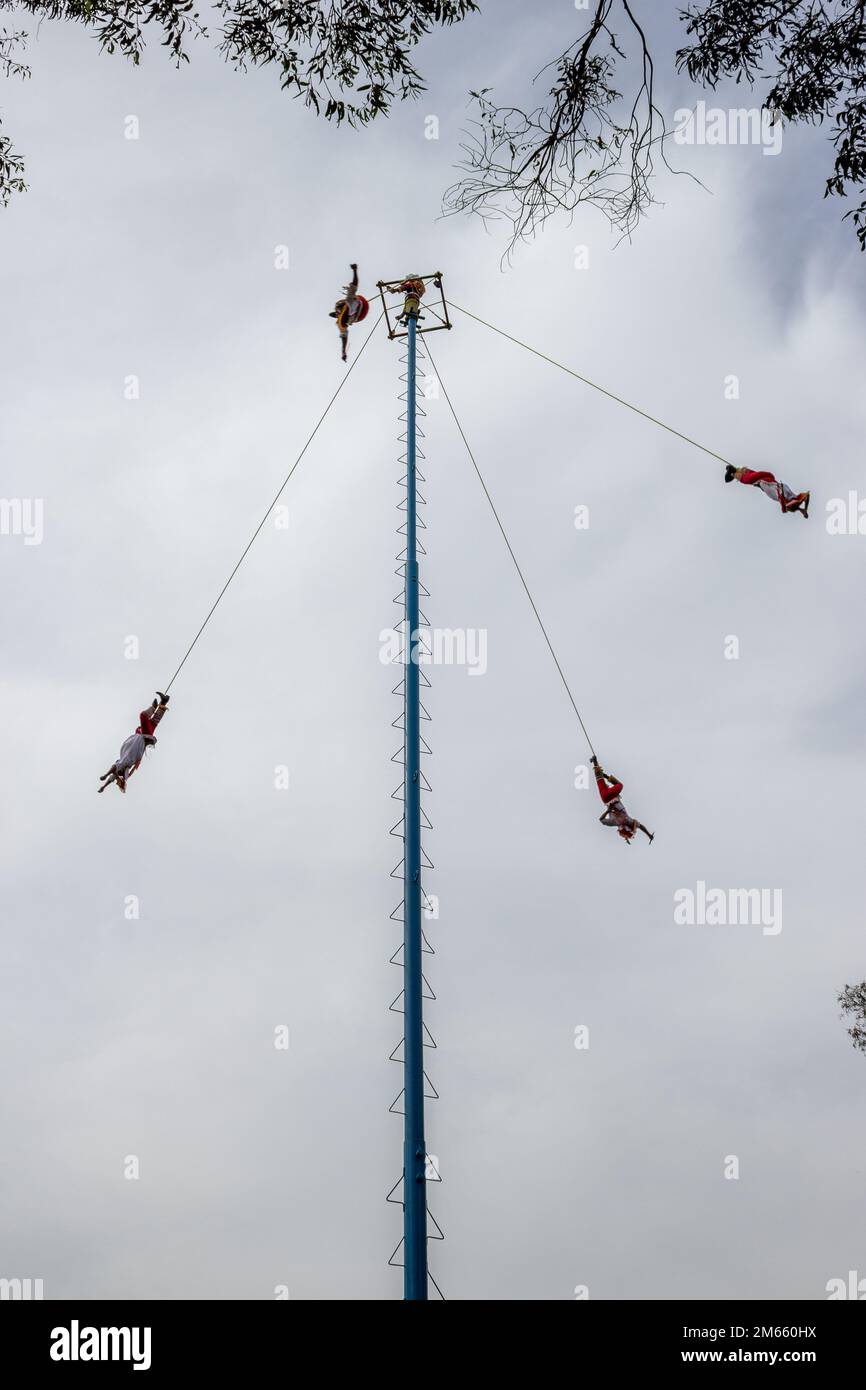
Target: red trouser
{"points": [[149, 718], [607, 793]]}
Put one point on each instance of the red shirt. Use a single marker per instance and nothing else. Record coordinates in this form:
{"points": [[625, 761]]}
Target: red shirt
{"points": [[750, 477]]}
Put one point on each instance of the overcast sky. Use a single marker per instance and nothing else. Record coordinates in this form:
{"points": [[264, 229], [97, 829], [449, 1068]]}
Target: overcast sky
{"points": [[153, 1037]]}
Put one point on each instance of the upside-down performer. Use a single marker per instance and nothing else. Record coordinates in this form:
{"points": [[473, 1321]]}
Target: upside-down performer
{"points": [[615, 815], [779, 492], [133, 748], [352, 308]]}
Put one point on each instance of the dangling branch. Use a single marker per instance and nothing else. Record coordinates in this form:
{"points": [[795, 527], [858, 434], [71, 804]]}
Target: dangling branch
{"points": [[584, 145]]}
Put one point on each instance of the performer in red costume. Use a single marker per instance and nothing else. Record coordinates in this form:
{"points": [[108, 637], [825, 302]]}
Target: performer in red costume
{"points": [[134, 748], [780, 492], [615, 815]]}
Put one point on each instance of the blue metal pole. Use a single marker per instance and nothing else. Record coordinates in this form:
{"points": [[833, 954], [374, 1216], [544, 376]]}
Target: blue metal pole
{"points": [[414, 1143]]}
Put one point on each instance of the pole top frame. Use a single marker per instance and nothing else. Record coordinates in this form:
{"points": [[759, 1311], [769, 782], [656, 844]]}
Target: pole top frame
{"points": [[397, 318]]}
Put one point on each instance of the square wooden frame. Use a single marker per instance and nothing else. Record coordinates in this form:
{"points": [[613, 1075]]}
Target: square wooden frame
{"points": [[439, 312]]}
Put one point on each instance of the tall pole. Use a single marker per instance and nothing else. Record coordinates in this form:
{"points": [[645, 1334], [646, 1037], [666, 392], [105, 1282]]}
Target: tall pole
{"points": [[414, 1144]]}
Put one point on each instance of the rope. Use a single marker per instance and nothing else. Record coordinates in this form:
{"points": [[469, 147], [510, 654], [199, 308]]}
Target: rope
{"points": [[594, 384], [276, 499], [511, 553]]}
